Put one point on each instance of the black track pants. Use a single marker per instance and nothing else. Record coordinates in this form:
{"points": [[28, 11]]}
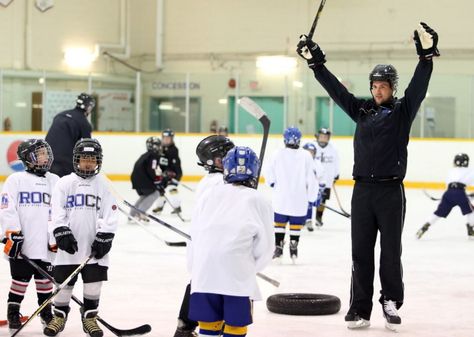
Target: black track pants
{"points": [[376, 207]]}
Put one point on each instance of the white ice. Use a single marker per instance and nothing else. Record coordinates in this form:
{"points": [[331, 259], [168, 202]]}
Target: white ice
{"points": [[147, 278]]}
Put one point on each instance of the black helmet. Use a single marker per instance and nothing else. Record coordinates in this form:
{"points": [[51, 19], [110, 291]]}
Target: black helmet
{"points": [[461, 160], [323, 131], [386, 73], [85, 101], [210, 148], [90, 148], [30, 150], [167, 133], [153, 144]]}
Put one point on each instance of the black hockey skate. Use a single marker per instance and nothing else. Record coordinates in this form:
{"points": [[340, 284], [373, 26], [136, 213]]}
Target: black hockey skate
{"points": [[13, 316], [354, 321], [309, 225], [177, 210], [57, 324], [158, 209], [422, 230], [470, 231], [46, 315], [278, 250], [294, 250], [390, 313], [319, 221], [89, 324]]}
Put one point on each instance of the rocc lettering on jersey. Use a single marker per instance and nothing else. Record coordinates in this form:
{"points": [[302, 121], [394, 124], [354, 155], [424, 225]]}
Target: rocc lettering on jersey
{"points": [[81, 200], [35, 198]]}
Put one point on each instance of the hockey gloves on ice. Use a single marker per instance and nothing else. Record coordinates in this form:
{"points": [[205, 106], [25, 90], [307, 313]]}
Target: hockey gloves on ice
{"points": [[426, 42], [13, 242], [311, 52], [102, 244], [65, 239]]}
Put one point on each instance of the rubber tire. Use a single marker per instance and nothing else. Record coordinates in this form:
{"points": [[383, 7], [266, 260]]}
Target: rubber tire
{"points": [[303, 304]]}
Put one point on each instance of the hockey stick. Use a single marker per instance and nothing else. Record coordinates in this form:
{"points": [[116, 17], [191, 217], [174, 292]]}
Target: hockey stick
{"points": [[140, 330], [316, 19], [168, 243], [431, 197], [339, 201], [54, 294], [177, 182], [255, 110], [346, 215], [174, 209]]}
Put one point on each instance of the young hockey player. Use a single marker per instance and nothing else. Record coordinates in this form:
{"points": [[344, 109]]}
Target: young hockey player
{"points": [[210, 151], [319, 174], [291, 175], [85, 218], [174, 172], [24, 213], [458, 178], [327, 155], [149, 176], [231, 234]]}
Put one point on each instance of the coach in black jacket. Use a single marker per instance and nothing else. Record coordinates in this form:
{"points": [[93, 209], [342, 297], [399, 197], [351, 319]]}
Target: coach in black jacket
{"points": [[380, 161], [68, 127]]}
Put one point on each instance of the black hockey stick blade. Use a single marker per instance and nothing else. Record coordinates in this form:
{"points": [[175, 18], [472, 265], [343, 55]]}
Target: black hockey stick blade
{"points": [[139, 223], [431, 197], [316, 19], [346, 215]]}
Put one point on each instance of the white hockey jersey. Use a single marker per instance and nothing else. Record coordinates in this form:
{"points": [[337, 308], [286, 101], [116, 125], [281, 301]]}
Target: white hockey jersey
{"points": [[232, 239], [329, 158], [463, 175], [209, 180], [85, 206], [291, 171], [26, 206]]}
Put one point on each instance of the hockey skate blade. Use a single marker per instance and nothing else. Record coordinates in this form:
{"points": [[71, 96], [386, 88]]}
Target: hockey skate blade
{"points": [[392, 327], [293, 259], [360, 324]]}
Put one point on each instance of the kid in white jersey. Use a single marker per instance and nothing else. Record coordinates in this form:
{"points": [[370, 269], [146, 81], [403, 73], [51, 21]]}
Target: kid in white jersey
{"points": [[327, 155], [319, 174], [24, 213], [232, 240], [290, 173], [210, 151], [85, 218], [458, 178]]}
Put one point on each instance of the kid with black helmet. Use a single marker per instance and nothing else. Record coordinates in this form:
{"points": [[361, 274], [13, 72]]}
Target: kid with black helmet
{"points": [[84, 221], [24, 214], [383, 126], [458, 178]]}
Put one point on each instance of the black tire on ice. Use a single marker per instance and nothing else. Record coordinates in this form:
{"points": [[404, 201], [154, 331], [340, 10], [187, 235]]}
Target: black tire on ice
{"points": [[303, 304]]}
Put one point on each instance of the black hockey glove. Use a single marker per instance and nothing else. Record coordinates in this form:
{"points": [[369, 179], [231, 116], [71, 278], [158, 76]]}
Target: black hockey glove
{"points": [[13, 242], [65, 239], [426, 42], [310, 51], [160, 188], [102, 244]]}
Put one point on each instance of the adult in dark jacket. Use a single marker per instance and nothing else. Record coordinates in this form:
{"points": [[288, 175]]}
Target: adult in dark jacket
{"points": [[174, 173], [68, 127], [380, 161], [148, 177]]}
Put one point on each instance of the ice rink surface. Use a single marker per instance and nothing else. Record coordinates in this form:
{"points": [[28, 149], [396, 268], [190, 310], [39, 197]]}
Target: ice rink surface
{"points": [[147, 278]]}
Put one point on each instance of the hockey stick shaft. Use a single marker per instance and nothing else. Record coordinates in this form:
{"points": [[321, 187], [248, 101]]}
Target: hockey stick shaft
{"points": [[174, 208], [316, 19], [431, 197], [115, 331], [336, 211], [177, 182], [54, 294], [168, 243], [339, 200]]}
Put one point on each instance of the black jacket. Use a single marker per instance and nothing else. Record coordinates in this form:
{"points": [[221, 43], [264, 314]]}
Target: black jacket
{"points": [[67, 128], [144, 172], [171, 152], [382, 132]]}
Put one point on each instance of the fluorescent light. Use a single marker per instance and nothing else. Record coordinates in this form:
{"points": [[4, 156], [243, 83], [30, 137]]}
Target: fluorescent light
{"points": [[222, 100], [79, 58], [298, 84], [276, 65], [20, 104], [165, 106]]}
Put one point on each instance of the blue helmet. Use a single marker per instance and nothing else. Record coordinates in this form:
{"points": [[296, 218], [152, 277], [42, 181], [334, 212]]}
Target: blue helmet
{"points": [[292, 136], [241, 164], [310, 147]]}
